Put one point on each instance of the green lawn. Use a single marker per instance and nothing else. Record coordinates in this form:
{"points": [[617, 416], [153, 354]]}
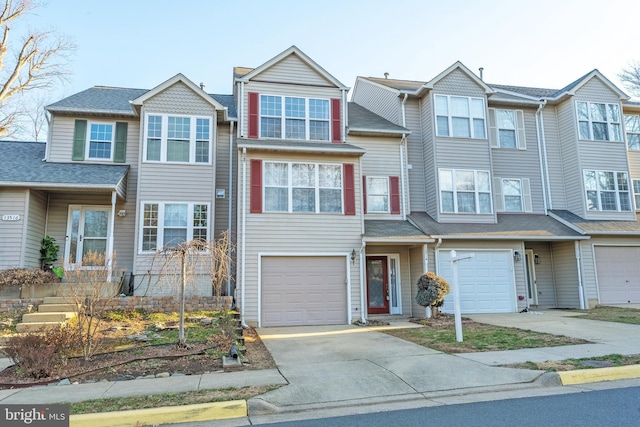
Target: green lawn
{"points": [[612, 314]]}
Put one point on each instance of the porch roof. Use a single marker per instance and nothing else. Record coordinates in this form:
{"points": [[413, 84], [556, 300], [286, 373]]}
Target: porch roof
{"points": [[590, 226], [22, 165], [509, 227], [393, 232], [300, 146]]}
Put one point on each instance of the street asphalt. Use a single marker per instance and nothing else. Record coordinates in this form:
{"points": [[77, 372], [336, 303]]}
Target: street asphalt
{"points": [[348, 366]]}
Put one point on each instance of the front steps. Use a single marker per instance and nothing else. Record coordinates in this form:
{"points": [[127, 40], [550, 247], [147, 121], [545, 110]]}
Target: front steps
{"points": [[52, 313]]}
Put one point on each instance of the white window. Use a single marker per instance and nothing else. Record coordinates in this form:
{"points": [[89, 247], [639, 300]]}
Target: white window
{"points": [[512, 194], [377, 194], [302, 187], [636, 192], [100, 141], [506, 128], [286, 117], [169, 224], [599, 122], [179, 139], [632, 127], [607, 190], [460, 117], [464, 191]]}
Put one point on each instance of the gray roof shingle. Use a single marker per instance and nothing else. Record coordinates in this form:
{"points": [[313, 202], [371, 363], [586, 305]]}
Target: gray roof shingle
{"points": [[590, 226], [116, 100], [299, 146], [509, 226], [363, 120], [21, 163], [393, 230]]}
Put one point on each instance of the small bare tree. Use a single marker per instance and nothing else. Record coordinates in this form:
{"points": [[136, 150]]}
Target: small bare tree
{"points": [[187, 262], [90, 288], [34, 62], [630, 77]]}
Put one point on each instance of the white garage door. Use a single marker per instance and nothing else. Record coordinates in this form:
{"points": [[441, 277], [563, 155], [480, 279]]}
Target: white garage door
{"points": [[618, 271], [304, 291], [486, 282]]}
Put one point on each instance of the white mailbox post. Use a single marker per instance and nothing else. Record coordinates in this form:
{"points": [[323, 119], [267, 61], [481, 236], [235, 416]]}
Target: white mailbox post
{"points": [[456, 292]]}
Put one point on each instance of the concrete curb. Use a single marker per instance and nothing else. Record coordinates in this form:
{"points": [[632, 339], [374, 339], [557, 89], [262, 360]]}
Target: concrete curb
{"points": [[163, 415], [582, 376]]}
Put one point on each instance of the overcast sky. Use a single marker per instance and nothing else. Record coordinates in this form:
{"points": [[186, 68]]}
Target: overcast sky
{"points": [[539, 43]]}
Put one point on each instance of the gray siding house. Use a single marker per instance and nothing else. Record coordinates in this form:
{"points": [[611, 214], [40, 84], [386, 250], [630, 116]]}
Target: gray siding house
{"points": [[336, 208]]}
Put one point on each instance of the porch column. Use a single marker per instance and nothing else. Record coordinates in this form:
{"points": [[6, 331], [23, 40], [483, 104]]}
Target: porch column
{"points": [[109, 253]]}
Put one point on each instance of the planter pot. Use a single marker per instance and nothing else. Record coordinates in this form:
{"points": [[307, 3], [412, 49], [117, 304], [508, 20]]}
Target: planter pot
{"points": [[10, 292]]}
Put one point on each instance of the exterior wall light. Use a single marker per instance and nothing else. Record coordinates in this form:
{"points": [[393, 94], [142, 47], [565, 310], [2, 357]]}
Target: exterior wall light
{"points": [[516, 256], [353, 257], [536, 259]]}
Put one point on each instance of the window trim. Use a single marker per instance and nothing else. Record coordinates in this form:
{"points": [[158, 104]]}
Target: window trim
{"points": [[519, 130], [609, 122], [88, 141], [627, 133], [599, 191], [160, 222], [388, 194], [193, 140], [290, 187], [636, 195], [471, 118], [475, 191], [283, 117]]}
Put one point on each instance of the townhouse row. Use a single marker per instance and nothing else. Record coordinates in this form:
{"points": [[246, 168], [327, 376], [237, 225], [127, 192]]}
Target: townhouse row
{"points": [[336, 207]]}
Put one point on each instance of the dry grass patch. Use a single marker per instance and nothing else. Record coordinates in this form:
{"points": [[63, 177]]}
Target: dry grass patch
{"points": [[612, 314], [439, 334], [573, 364]]}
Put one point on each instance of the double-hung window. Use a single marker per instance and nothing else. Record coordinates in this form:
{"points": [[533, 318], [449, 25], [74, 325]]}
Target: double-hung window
{"points": [[506, 128], [599, 121], [460, 116], [286, 117], [464, 191], [607, 190], [302, 187], [179, 139], [632, 127], [377, 194], [636, 192], [100, 141], [170, 224]]}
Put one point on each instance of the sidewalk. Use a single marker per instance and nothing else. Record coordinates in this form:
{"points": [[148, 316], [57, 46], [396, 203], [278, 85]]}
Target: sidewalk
{"points": [[349, 367]]}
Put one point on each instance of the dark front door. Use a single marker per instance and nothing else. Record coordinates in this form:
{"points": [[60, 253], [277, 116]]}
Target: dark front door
{"points": [[377, 285]]}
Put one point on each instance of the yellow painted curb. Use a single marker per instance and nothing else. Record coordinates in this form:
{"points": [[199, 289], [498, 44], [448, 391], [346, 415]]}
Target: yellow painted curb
{"points": [[163, 415], [581, 376]]}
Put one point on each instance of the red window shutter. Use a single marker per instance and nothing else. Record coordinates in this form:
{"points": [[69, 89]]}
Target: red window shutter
{"points": [[256, 186], [394, 194], [364, 194], [336, 121], [253, 114], [349, 190]]}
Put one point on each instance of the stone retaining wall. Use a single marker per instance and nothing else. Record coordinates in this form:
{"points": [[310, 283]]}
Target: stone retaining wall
{"points": [[151, 304]]}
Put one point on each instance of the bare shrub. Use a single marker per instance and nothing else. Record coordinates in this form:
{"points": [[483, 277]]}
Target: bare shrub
{"points": [[26, 277], [431, 291], [89, 288], [40, 354]]}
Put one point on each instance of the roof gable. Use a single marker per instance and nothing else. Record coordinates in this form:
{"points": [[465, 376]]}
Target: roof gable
{"points": [[172, 81], [574, 86], [290, 55], [457, 66]]}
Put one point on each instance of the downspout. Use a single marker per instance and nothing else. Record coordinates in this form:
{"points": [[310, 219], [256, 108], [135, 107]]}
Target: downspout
{"points": [[580, 285], [542, 168], [546, 163], [243, 228], [230, 210], [241, 121], [343, 135], [111, 233], [402, 171]]}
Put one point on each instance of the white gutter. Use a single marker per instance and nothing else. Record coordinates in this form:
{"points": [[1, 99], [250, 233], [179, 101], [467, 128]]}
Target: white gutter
{"points": [[243, 240], [230, 209], [363, 302], [542, 179], [580, 285], [546, 163]]}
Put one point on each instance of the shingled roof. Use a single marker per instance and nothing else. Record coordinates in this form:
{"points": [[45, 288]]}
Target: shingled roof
{"points": [[363, 121], [22, 165], [590, 226]]}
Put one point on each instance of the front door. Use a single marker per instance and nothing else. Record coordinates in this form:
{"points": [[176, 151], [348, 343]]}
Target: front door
{"points": [[377, 285], [532, 289], [87, 232]]}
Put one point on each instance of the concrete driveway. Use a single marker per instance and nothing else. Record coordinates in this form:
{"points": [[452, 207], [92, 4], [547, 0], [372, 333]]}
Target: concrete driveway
{"points": [[325, 364]]}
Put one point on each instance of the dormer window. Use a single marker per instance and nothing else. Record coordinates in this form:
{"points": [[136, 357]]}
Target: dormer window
{"points": [[285, 117]]}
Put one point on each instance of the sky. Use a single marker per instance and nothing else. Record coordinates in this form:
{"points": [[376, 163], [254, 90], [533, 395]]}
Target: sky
{"points": [[537, 43]]}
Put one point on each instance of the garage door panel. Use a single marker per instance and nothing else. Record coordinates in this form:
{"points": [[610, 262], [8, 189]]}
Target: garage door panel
{"points": [[303, 291], [618, 273], [485, 281]]}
